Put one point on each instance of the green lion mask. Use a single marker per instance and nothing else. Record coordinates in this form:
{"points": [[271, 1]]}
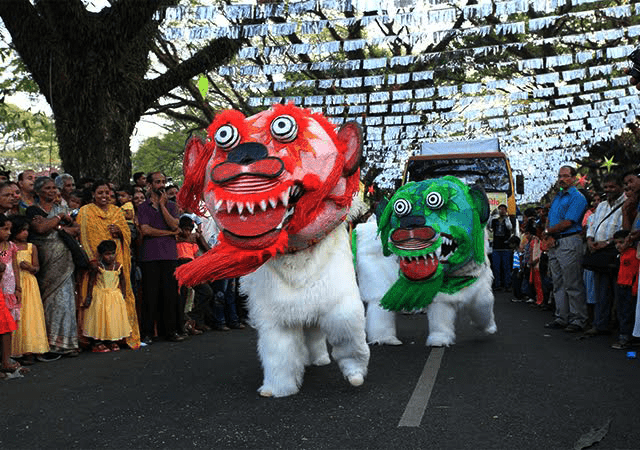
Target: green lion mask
{"points": [[437, 229]]}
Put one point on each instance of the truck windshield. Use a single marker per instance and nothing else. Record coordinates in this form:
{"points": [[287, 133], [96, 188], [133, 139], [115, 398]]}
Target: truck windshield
{"points": [[491, 173]]}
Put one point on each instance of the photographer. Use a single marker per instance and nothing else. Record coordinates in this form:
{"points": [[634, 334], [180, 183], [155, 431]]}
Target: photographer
{"points": [[158, 219]]}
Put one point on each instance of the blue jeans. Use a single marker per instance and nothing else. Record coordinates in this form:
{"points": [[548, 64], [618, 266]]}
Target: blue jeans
{"points": [[589, 286], [502, 265], [225, 296]]}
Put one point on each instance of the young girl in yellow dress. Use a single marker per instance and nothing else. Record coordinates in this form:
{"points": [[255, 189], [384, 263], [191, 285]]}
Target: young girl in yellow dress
{"points": [[30, 338], [105, 319]]}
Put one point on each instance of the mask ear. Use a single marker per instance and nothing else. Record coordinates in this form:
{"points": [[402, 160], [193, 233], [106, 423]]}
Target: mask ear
{"points": [[351, 134], [194, 165], [480, 202]]}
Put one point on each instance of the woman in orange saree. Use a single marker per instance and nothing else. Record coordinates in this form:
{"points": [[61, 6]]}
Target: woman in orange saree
{"points": [[100, 221]]}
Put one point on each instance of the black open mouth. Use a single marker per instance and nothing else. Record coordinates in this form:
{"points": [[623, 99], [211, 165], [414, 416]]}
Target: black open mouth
{"points": [[447, 248]]}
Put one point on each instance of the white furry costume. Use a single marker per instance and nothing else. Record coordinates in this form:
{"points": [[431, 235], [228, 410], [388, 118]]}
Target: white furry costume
{"points": [[278, 185], [296, 300], [377, 273]]}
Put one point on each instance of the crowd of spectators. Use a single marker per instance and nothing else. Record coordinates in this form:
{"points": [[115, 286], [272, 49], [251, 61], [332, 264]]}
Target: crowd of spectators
{"points": [[67, 251], [579, 256], [91, 268]]}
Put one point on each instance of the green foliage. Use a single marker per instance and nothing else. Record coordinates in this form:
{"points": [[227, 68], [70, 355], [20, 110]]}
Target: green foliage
{"points": [[28, 140], [162, 153], [625, 151]]}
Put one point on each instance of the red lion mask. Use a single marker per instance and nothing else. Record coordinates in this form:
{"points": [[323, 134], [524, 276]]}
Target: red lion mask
{"points": [[275, 182]]}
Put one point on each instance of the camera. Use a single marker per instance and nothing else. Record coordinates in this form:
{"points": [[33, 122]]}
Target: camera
{"points": [[634, 57]]}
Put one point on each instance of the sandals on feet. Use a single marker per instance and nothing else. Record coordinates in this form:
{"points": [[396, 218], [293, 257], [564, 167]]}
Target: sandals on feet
{"points": [[100, 348], [114, 347], [12, 367]]}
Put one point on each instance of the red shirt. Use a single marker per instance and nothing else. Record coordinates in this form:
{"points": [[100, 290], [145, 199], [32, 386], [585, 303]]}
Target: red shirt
{"points": [[187, 250], [628, 273]]}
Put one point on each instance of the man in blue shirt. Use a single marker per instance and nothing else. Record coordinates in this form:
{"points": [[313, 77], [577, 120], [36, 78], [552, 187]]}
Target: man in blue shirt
{"points": [[565, 259]]}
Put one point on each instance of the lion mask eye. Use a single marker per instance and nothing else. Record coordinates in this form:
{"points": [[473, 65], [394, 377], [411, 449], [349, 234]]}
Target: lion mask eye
{"points": [[227, 136], [402, 207], [284, 129], [435, 200]]}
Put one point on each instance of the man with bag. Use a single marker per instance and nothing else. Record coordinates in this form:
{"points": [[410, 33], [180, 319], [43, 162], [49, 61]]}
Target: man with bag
{"points": [[565, 258], [602, 255]]}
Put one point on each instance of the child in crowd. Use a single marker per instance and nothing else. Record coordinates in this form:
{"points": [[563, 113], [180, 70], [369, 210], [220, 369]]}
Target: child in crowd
{"points": [[125, 195], [105, 319], [9, 256], [516, 273], [7, 326], [189, 244], [30, 338], [75, 200], [112, 197], [535, 279], [627, 288]]}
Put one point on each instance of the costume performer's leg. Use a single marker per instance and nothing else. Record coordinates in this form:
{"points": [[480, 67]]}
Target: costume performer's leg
{"points": [[344, 327], [481, 311], [381, 325], [317, 346], [442, 323], [283, 355]]}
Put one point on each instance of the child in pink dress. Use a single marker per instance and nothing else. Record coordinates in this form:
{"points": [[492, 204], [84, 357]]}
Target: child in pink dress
{"points": [[9, 257], [7, 326]]}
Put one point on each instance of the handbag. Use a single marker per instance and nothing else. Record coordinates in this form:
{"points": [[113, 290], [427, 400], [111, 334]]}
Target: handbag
{"points": [[605, 260], [79, 256]]}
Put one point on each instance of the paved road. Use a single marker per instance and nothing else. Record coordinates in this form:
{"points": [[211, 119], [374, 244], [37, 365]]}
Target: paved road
{"points": [[525, 388]]}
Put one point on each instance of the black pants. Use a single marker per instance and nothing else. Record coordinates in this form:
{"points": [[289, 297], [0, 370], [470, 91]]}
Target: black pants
{"points": [[160, 298]]}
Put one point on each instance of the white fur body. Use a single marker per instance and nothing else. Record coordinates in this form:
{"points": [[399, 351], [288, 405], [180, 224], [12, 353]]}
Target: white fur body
{"points": [[377, 273], [299, 301]]}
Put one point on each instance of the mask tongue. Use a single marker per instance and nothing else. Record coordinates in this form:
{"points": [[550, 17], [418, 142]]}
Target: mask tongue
{"points": [[227, 261]]}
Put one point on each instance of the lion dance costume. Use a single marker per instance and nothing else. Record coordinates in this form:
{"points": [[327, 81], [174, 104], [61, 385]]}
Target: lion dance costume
{"points": [[429, 251], [279, 185]]}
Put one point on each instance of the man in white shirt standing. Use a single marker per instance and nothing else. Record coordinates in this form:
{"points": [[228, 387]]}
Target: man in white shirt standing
{"points": [[607, 219]]}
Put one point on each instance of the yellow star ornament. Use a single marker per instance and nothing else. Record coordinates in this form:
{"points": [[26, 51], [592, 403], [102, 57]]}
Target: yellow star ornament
{"points": [[608, 163]]}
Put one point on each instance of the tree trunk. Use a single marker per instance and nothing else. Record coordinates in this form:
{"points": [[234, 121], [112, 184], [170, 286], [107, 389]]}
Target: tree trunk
{"points": [[91, 68], [96, 144]]}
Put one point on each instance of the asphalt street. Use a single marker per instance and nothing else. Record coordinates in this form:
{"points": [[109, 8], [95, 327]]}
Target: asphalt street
{"points": [[525, 388]]}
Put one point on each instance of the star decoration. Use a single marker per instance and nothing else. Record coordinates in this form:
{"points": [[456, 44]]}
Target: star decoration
{"points": [[608, 163], [371, 190], [582, 180]]}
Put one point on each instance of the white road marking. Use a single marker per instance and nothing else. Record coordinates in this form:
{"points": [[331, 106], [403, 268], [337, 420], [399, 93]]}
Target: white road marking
{"points": [[414, 411]]}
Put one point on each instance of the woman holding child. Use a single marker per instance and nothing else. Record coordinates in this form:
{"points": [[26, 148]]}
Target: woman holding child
{"points": [[99, 221]]}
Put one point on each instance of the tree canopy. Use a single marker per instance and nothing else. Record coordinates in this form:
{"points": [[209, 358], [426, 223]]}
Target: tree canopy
{"points": [[92, 68], [543, 76]]}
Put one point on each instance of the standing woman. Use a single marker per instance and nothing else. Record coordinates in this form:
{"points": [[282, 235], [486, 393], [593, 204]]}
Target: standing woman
{"points": [[100, 221], [55, 278]]}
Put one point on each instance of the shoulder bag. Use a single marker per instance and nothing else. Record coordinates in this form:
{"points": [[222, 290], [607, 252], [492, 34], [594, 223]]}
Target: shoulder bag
{"points": [[605, 260], [79, 256]]}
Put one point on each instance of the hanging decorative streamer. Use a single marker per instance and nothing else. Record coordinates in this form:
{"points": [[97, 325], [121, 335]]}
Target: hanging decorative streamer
{"points": [[468, 110]]}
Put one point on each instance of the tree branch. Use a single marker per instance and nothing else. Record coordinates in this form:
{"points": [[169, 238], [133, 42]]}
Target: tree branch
{"points": [[215, 54]]}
